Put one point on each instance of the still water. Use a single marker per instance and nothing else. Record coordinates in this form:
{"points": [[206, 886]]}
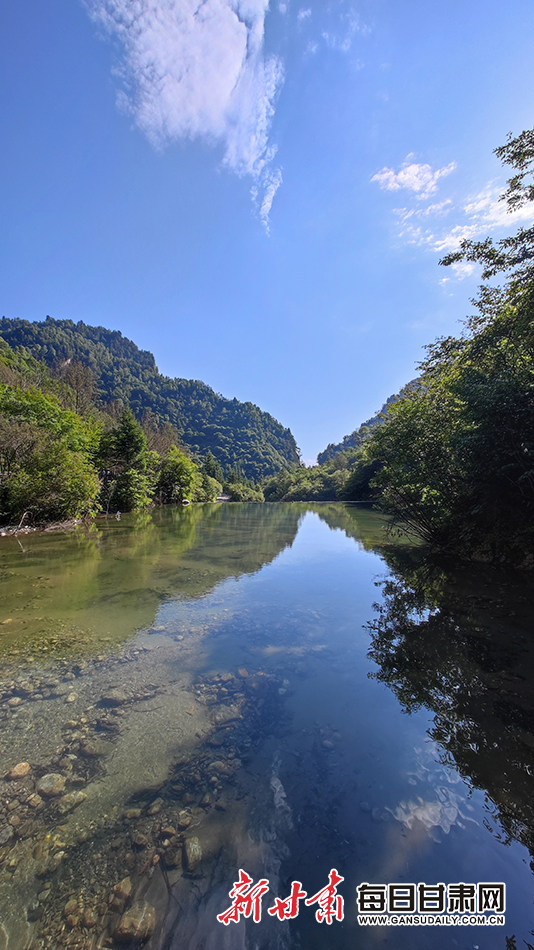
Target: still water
{"points": [[284, 689]]}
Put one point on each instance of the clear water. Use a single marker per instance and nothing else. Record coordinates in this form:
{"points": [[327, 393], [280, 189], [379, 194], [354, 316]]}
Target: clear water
{"points": [[342, 701]]}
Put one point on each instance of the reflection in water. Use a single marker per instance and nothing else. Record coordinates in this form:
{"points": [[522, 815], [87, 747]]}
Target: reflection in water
{"points": [[456, 647], [196, 686], [103, 582]]}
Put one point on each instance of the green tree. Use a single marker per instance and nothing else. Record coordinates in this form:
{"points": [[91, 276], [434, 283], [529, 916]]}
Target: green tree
{"points": [[47, 472], [457, 453], [127, 475], [212, 467], [178, 478]]}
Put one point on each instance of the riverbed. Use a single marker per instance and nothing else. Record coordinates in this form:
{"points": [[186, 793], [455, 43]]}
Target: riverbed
{"points": [[285, 689]]}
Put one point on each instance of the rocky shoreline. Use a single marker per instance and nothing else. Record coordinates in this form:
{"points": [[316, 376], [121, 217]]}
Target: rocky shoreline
{"points": [[76, 870]]}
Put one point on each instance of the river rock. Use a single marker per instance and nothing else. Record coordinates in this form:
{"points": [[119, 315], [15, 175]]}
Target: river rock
{"points": [[123, 889], [137, 924], [19, 771], [155, 807], [173, 857], [89, 919], [5, 835], [51, 784], [193, 853], [70, 801], [226, 714], [140, 840], [114, 697], [70, 907], [95, 749]]}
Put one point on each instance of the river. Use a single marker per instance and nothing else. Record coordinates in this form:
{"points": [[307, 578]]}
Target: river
{"points": [[284, 689]]}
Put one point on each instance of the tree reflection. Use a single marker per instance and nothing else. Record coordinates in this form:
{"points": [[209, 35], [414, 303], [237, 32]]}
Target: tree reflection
{"points": [[446, 642]]}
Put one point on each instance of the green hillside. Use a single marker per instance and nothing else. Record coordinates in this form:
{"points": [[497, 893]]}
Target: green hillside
{"points": [[363, 432], [236, 433]]}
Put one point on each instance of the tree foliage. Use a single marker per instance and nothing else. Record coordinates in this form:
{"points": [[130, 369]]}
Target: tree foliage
{"points": [[233, 431], [457, 453], [46, 458]]}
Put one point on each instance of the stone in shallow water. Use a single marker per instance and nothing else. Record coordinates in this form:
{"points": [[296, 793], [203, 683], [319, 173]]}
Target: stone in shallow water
{"points": [[193, 853], [70, 801], [155, 807], [93, 750], [114, 697], [51, 784], [137, 924], [5, 835], [19, 771]]}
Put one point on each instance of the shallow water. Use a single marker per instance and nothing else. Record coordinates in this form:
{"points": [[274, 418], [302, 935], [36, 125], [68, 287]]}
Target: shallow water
{"points": [[285, 683]]}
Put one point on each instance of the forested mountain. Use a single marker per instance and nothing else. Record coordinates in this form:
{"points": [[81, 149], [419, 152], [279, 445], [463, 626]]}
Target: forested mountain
{"points": [[359, 436], [238, 434], [354, 440]]}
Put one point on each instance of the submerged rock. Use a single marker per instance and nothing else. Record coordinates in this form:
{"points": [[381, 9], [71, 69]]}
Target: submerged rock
{"points": [[19, 771], [114, 697], [5, 835], [193, 853], [137, 924], [51, 784], [70, 801]]}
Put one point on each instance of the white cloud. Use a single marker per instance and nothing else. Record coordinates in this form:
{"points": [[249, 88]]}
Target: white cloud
{"points": [[271, 183], [197, 69], [479, 215], [303, 14], [415, 177], [352, 25], [485, 212], [440, 207]]}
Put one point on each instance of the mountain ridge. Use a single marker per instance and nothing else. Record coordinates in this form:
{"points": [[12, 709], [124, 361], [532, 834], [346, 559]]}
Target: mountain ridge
{"points": [[237, 433]]}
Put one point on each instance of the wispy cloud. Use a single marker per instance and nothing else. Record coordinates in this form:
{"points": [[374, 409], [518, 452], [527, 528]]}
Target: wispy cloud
{"points": [[352, 24], [197, 69], [480, 215], [476, 217], [303, 14], [422, 180]]}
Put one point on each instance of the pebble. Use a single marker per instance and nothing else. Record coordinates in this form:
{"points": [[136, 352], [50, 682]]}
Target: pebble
{"points": [[5, 835], [19, 771], [90, 919], [140, 840], [155, 807], [71, 698], [193, 853], [137, 924], [114, 697], [51, 784], [70, 801], [124, 888]]}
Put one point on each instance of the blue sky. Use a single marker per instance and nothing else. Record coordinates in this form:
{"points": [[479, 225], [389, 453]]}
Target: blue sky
{"points": [[259, 193]]}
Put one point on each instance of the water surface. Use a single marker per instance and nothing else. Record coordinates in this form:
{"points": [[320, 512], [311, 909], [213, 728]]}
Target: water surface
{"points": [[286, 683]]}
